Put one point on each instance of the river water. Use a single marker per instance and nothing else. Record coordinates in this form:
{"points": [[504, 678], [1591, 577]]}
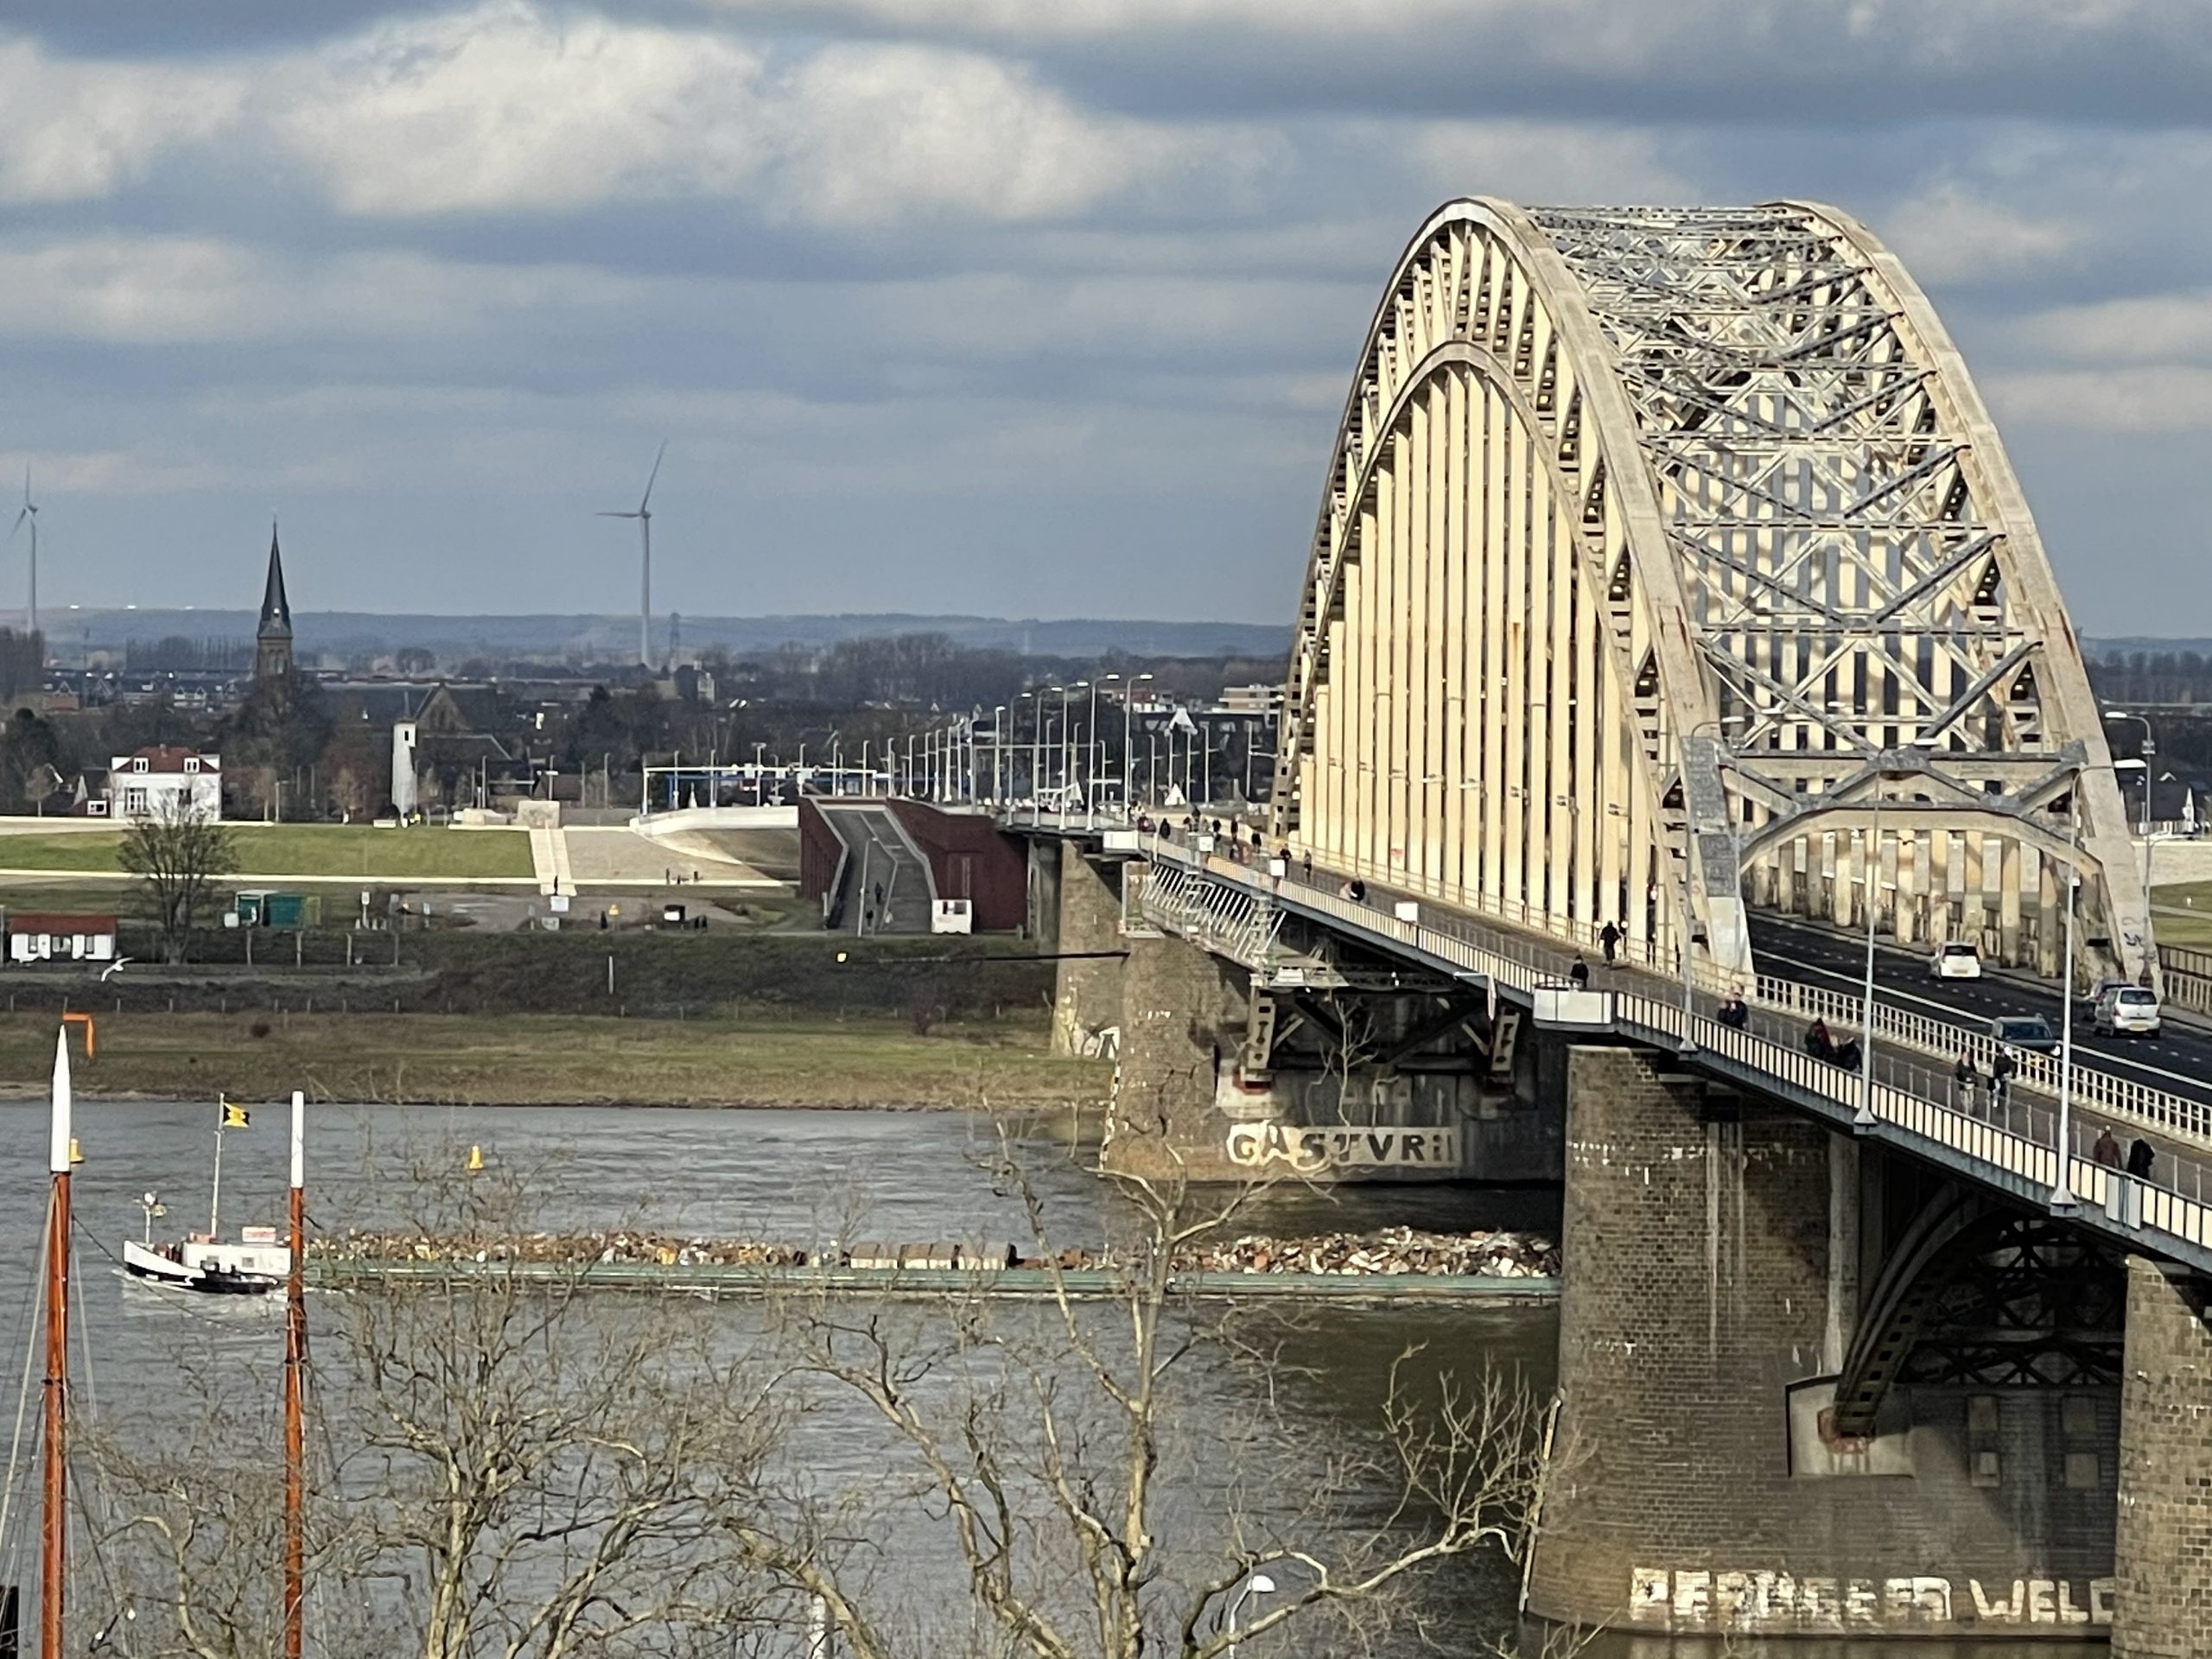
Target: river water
{"points": [[805, 1177]]}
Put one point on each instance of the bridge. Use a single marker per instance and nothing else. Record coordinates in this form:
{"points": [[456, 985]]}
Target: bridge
{"points": [[1674, 629]]}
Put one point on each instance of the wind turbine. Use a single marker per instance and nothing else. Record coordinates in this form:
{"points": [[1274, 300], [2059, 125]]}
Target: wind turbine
{"points": [[644, 515], [29, 511]]}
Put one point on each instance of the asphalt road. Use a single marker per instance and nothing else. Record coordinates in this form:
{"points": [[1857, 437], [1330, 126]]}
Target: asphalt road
{"points": [[2178, 1060]]}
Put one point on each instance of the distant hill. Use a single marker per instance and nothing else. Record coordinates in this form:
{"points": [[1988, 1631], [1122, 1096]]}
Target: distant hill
{"points": [[349, 633]]}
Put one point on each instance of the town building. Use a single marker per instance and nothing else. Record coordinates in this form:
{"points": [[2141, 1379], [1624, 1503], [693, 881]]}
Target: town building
{"points": [[164, 781], [43, 937]]}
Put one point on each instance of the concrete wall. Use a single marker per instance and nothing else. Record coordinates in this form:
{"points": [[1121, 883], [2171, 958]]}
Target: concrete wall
{"points": [[1086, 903], [1182, 1015], [2165, 1469], [1696, 1247], [968, 858]]}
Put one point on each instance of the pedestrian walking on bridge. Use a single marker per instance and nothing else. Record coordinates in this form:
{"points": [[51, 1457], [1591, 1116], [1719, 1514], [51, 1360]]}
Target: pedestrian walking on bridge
{"points": [[1608, 940]]}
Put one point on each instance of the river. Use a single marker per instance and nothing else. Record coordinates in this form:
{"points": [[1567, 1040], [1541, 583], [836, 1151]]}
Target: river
{"points": [[807, 1177]]}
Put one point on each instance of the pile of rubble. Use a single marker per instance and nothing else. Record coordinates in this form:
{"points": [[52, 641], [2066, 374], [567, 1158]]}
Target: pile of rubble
{"points": [[1396, 1250], [1393, 1250], [630, 1248]]}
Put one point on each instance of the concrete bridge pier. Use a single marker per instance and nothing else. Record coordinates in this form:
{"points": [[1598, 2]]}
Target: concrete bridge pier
{"points": [[2163, 1604], [1713, 1256]]}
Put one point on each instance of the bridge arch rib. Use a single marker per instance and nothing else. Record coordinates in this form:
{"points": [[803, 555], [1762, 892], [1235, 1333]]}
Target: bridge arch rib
{"points": [[1659, 549]]}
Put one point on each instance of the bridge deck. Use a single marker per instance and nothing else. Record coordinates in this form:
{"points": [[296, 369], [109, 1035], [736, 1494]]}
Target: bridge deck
{"points": [[2008, 1146]]}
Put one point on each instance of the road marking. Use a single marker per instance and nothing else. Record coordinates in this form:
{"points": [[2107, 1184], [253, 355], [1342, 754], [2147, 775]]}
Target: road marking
{"points": [[2192, 1087]]}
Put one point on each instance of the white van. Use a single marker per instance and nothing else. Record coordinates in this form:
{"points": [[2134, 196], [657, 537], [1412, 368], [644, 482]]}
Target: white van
{"points": [[2127, 1010]]}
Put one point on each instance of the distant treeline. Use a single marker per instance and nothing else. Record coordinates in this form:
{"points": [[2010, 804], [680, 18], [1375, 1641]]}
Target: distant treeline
{"points": [[175, 654], [2152, 677]]}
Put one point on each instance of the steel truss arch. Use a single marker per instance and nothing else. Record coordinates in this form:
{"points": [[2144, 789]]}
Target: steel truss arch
{"points": [[1657, 545]]}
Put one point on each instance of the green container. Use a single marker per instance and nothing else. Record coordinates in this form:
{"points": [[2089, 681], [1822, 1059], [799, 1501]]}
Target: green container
{"points": [[265, 907]]}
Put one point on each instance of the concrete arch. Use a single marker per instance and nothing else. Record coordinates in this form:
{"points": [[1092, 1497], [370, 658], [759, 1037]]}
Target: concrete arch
{"points": [[1644, 531]]}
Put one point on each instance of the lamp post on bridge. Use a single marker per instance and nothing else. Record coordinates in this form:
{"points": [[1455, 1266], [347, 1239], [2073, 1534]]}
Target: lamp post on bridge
{"points": [[2113, 716], [2062, 1190], [1129, 756], [1689, 928], [1864, 1117]]}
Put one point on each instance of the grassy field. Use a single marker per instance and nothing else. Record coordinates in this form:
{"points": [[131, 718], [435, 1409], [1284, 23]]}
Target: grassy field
{"points": [[334, 850], [2181, 915], [544, 1060]]}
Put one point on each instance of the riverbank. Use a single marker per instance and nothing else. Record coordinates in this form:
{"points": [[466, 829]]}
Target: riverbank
{"points": [[560, 1060]]}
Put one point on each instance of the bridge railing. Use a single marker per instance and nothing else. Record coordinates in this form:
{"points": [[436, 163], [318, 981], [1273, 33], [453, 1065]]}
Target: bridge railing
{"points": [[1977, 1136], [1923, 1033], [1232, 919]]}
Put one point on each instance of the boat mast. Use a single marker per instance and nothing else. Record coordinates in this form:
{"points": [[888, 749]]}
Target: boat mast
{"points": [[295, 1354], [53, 1524], [215, 1197]]}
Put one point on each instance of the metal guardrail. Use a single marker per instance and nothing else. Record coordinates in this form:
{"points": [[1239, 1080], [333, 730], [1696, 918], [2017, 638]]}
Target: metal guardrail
{"points": [[1232, 920], [1979, 1140]]}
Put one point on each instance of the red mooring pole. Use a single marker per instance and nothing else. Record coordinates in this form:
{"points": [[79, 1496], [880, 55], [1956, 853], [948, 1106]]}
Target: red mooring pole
{"points": [[55, 1521]]}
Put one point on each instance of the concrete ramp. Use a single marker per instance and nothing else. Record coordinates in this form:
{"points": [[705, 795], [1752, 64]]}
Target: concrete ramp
{"points": [[884, 884]]}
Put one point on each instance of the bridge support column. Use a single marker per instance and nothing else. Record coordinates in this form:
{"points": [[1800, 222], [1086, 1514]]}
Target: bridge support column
{"points": [[1183, 1015], [1079, 907], [1974, 898], [2050, 918], [2163, 1547], [2008, 901], [1692, 1490]]}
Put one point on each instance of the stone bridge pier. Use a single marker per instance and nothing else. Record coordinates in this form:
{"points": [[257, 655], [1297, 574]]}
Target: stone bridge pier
{"points": [[1807, 1388]]}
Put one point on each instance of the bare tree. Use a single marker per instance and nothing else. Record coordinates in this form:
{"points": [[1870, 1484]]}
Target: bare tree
{"points": [[1055, 1456], [178, 850]]}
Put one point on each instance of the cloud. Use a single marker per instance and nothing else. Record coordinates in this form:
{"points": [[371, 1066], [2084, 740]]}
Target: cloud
{"points": [[510, 107], [1701, 60], [1539, 161], [877, 130], [171, 290], [2163, 398], [80, 131], [1948, 234], [2147, 328]]}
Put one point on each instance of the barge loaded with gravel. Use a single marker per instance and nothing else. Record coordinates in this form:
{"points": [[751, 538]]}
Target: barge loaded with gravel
{"points": [[1393, 1264]]}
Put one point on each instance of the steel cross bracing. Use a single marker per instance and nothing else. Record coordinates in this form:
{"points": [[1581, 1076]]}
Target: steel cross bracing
{"points": [[1610, 478]]}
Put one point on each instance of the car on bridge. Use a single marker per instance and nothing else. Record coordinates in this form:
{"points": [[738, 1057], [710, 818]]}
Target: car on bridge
{"points": [[1959, 959], [2127, 1010], [2030, 1032]]}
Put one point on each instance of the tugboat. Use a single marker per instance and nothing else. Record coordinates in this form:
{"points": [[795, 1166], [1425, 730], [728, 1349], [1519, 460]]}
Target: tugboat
{"points": [[202, 1262]]}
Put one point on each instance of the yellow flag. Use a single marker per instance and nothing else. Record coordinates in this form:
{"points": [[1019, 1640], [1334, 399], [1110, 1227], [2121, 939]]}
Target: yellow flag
{"points": [[234, 1117]]}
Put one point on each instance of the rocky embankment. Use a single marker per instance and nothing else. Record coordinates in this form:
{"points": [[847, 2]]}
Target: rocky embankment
{"points": [[1390, 1251]]}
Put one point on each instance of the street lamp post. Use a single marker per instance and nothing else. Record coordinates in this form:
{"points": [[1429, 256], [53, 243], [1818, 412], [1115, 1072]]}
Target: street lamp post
{"points": [[2112, 716], [1865, 1115], [1128, 755], [1092, 754], [1036, 750], [2061, 1190], [1258, 1585], [1067, 744]]}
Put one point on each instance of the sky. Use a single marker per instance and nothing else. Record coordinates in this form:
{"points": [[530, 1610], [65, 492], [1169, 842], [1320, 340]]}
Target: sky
{"points": [[1030, 307]]}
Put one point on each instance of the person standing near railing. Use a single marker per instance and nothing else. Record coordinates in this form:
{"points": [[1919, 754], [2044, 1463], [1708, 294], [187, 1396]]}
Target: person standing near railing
{"points": [[1608, 940], [1963, 1075], [2002, 1065]]}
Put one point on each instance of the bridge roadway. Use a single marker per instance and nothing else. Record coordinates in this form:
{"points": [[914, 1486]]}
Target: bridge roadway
{"points": [[2021, 1129]]}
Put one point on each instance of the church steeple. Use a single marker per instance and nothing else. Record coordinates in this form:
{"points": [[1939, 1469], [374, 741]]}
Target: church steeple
{"points": [[272, 647]]}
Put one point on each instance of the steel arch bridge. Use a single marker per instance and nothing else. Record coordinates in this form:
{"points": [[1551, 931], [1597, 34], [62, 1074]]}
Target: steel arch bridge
{"points": [[1669, 564]]}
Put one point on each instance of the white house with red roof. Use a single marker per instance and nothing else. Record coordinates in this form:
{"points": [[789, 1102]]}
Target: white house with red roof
{"points": [[164, 781]]}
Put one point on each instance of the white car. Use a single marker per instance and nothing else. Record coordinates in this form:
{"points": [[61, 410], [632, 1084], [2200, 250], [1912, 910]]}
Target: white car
{"points": [[2127, 1010], [1957, 960]]}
